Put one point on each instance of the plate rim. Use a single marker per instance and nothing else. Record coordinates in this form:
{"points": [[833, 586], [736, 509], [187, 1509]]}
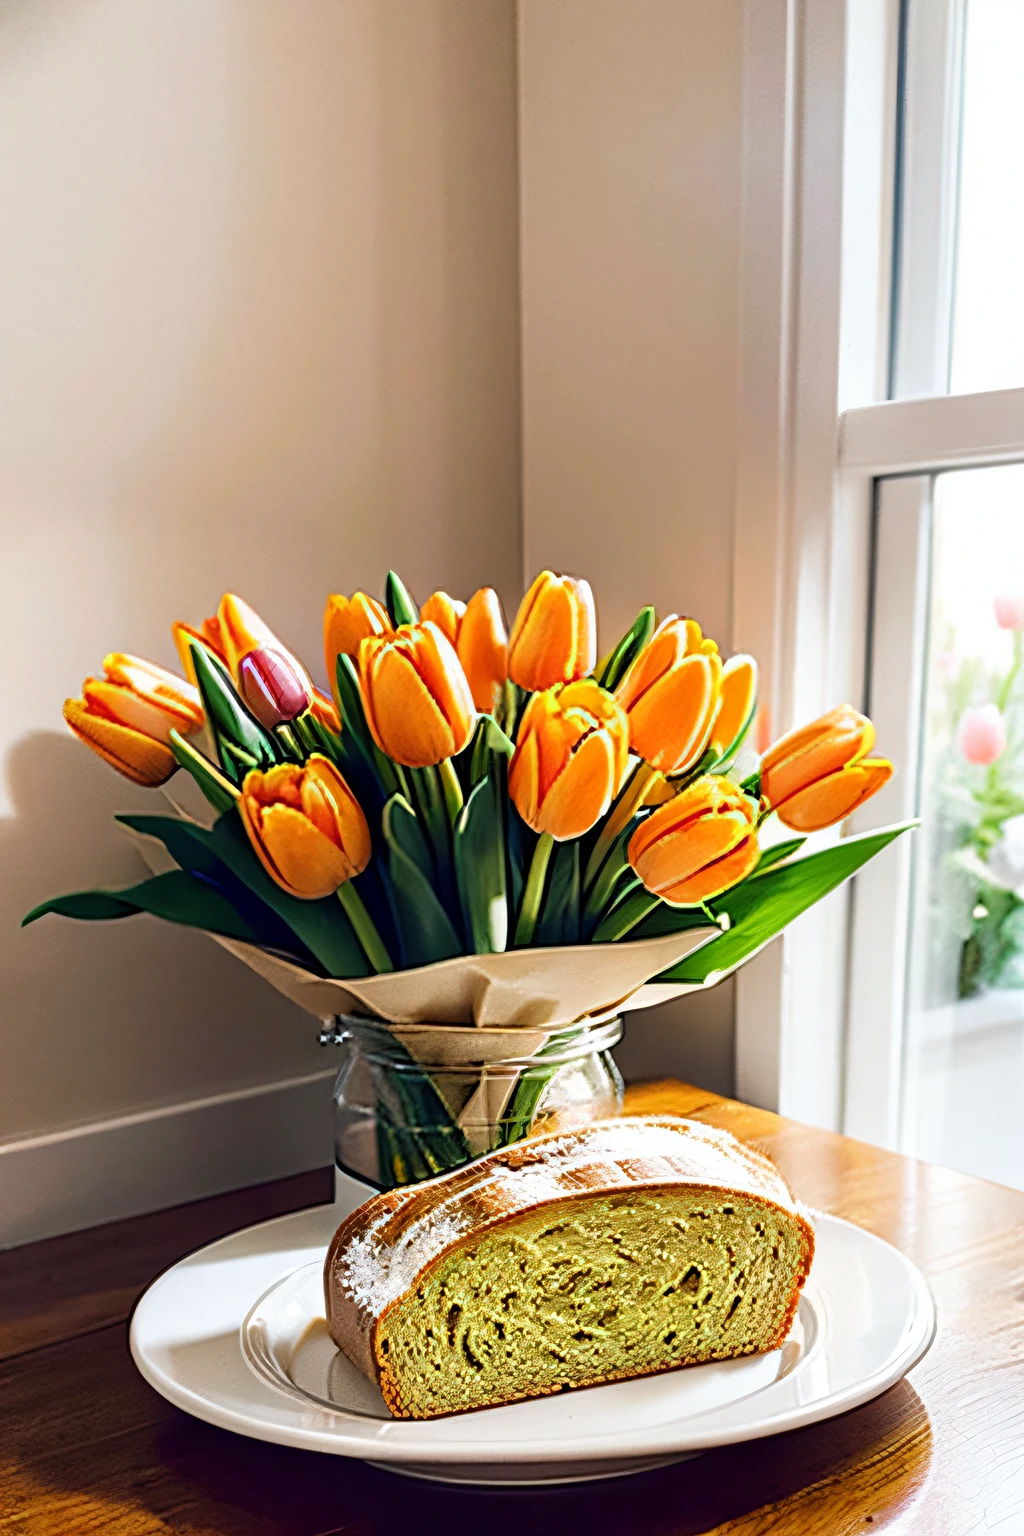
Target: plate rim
{"points": [[386, 1445]]}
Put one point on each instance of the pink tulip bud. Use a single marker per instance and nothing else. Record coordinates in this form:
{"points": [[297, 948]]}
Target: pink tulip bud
{"points": [[1009, 607], [982, 734], [273, 686]]}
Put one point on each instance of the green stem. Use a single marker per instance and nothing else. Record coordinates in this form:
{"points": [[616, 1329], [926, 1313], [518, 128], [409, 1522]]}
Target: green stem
{"points": [[624, 809], [429, 803], [529, 907], [287, 739], [603, 886], [304, 730], [365, 927], [623, 918], [451, 787]]}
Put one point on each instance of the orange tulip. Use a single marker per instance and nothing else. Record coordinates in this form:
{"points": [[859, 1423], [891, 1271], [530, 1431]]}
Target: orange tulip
{"points": [[234, 632], [446, 612], [739, 691], [272, 682], [415, 694], [306, 826], [672, 694], [570, 759], [554, 637], [819, 774], [348, 621], [483, 648], [477, 631], [241, 631], [698, 844], [127, 716]]}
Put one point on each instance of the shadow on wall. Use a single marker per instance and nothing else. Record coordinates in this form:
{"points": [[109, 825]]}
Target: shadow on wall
{"points": [[186, 1012], [260, 335]]}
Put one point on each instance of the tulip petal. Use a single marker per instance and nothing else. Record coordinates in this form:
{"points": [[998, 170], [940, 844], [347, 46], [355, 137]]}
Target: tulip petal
{"points": [[178, 699], [582, 792], [666, 647], [348, 621], [241, 630], [554, 637], [670, 723], [811, 752], [347, 826], [483, 648], [446, 612], [586, 630], [524, 779], [715, 878], [681, 855], [125, 708], [834, 797], [297, 855], [405, 721], [138, 756], [738, 690], [322, 709], [545, 651], [273, 686], [437, 663]]}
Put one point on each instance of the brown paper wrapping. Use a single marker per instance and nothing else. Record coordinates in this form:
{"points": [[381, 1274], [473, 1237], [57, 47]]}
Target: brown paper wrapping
{"points": [[522, 989]]}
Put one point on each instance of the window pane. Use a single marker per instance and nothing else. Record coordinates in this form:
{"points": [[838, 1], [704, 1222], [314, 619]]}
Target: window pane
{"points": [[963, 1079], [988, 305]]}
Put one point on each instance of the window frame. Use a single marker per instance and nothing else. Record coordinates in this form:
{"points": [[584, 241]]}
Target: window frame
{"points": [[819, 1012]]}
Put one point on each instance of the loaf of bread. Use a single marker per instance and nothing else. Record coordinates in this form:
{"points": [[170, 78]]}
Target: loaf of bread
{"points": [[618, 1249]]}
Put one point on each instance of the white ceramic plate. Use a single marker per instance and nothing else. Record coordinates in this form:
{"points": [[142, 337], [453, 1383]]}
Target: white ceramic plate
{"points": [[235, 1334]]}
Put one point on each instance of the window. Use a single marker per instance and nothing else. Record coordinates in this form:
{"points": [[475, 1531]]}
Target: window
{"points": [[959, 301], [935, 1009]]}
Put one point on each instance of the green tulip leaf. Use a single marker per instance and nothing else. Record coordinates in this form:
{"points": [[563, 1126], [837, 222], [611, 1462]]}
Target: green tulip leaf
{"points": [[176, 896], [777, 852], [488, 739], [191, 847], [321, 926], [231, 723], [751, 785], [426, 929], [349, 699], [559, 921], [479, 842], [627, 650], [219, 791], [403, 832], [399, 604], [761, 906]]}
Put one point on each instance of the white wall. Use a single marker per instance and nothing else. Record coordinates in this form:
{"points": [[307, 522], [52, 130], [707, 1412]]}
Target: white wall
{"points": [[259, 331], [630, 143]]}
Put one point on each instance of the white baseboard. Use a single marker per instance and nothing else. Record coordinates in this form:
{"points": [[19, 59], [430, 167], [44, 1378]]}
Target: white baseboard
{"points": [[90, 1174]]}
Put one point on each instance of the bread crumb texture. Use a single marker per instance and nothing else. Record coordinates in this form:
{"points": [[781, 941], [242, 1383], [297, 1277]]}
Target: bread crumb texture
{"points": [[619, 1249], [602, 1290]]}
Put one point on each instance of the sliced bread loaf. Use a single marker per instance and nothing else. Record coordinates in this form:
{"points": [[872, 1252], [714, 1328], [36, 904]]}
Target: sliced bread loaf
{"points": [[621, 1248]]}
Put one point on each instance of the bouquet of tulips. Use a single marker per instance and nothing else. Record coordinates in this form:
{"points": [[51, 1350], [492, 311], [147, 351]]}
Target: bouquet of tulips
{"points": [[586, 825]]}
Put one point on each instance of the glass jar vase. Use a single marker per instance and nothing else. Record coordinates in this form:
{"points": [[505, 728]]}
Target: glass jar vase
{"points": [[415, 1100]]}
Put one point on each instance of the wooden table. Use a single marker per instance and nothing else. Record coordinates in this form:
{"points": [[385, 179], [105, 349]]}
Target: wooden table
{"points": [[86, 1446]]}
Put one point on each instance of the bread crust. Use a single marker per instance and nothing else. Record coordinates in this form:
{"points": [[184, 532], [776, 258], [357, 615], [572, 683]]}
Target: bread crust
{"points": [[385, 1248]]}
